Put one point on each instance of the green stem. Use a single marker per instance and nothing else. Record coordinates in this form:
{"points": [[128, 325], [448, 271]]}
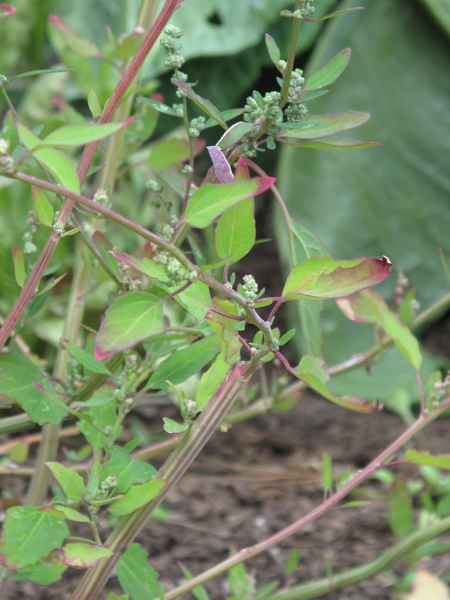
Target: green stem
{"points": [[332, 501], [400, 551], [291, 56]]}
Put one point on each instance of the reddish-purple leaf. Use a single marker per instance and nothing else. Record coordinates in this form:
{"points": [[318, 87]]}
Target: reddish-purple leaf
{"points": [[6, 10], [222, 167], [80, 45], [328, 278], [204, 104]]}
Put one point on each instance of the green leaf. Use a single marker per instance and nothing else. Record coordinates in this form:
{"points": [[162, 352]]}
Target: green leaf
{"points": [[236, 231], [81, 133], [42, 206], [17, 377], [137, 496], [172, 426], [272, 49], [227, 115], [286, 337], [327, 473], [328, 278], [183, 364], [210, 381], [400, 513], [199, 591], [57, 163], [312, 371], [211, 200], [112, 596], [159, 106], [292, 562], [64, 512], [71, 483], [441, 461], [84, 556], [136, 577], [196, 299], [319, 126], [334, 14], [129, 320], [105, 250], [19, 266], [234, 134], [171, 153], [38, 72], [41, 572], [368, 307], [103, 416], [87, 359], [79, 44], [334, 143], [241, 584], [145, 266], [207, 106], [330, 72], [51, 284], [94, 104], [29, 534], [126, 470], [223, 326]]}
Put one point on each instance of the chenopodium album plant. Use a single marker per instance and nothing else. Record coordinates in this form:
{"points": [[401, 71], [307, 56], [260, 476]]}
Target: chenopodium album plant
{"points": [[175, 312]]}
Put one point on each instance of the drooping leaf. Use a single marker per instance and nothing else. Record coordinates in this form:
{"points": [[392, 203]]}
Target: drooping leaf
{"points": [[312, 370], [137, 496], [29, 534], [137, 578], [129, 320], [227, 115], [65, 512], [84, 556], [19, 266], [42, 206], [234, 134], [38, 72], [17, 377], [318, 126], [328, 278], [236, 231], [369, 307], [204, 104], [222, 168], [41, 572], [159, 106], [211, 200], [440, 461], [171, 426], [127, 470], [71, 482], [272, 49], [79, 44], [81, 133], [183, 364], [330, 72], [87, 359]]}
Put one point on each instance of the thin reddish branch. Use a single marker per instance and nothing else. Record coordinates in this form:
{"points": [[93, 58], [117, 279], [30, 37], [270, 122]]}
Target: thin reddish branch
{"points": [[32, 283]]}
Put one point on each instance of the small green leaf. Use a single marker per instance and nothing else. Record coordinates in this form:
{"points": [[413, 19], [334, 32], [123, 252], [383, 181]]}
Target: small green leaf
{"points": [[81, 133], [127, 470], [330, 72], [338, 13], [227, 115], [50, 285], [236, 231], [327, 473], [137, 578], [129, 320], [223, 326], [103, 416], [205, 105], [334, 143], [319, 126], [292, 562], [19, 452], [441, 461], [307, 95], [19, 265], [272, 49], [65, 512], [71, 483], [29, 534], [196, 299], [211, 200], [210, 381], [78, 44], [87, 360], [241, 584], [356, 504], [400, 514], [112, 596], [234, 134], [38, 72], [172, 426], [239, 325], [84, 556], [199, 591], [94, 104], [159, 106], [328, 278], [42, 206], [287, 336], [41, 572], [137, 496]]}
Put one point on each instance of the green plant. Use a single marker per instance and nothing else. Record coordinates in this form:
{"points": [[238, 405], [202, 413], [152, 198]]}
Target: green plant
{"points": [[162, 326]]}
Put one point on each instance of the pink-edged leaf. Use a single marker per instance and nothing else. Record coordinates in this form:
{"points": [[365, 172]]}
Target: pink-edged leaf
{"points": [[222, 167], [330, 72], [272, 49], [332, 143], [204, 104], [338, 13], [143, 265], [6, 10], [241, 172], [312, 371], [78, 44], [368, 307], [19, 265], [129, 320], [328, 278], [210, 200], [312, 127], [84, 556]]}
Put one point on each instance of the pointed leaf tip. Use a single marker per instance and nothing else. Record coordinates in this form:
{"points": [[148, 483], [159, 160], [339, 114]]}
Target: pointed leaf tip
{"points": [[6, 10]]}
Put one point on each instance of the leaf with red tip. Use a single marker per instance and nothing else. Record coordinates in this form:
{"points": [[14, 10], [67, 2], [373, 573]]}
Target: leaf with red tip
{"points": [[204, 104], [368, 307], [241, 172], [330, 72], [19, 265], [312, 127], [129, 320], [84, 556], [210, 200], [312, 371], [6, 10], [79, 44], [328, 278]]}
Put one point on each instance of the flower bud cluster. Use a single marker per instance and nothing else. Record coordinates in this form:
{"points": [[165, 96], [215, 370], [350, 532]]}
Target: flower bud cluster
{"points": [[28, 246], [101, 196], [250, 290], [175, 271], [270, 111], [172, 47], [304, 10], [6, 160], [196, 126]]}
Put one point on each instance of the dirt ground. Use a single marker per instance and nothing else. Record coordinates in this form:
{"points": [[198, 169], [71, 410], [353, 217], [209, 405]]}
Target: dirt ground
{"points": [[254, 480]]}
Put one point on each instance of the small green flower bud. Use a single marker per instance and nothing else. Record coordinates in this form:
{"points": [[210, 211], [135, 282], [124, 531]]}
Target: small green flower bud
{"points": [[4, 145]]}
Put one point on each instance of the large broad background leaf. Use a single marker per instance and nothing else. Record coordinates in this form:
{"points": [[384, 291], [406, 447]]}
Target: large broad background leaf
{"points": [[391, 199]]}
